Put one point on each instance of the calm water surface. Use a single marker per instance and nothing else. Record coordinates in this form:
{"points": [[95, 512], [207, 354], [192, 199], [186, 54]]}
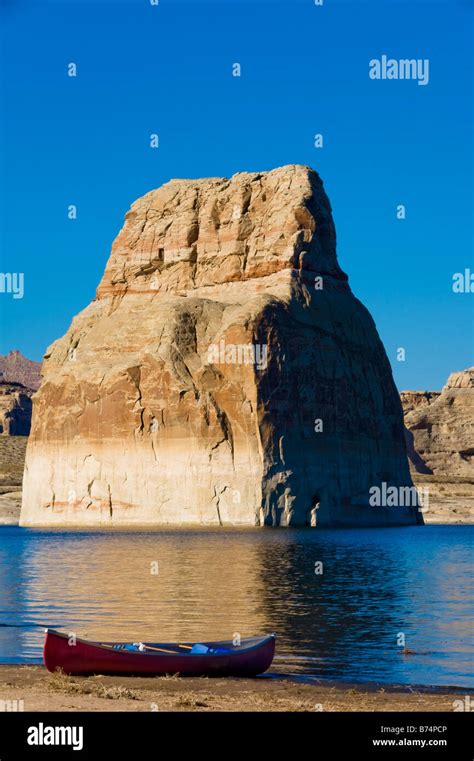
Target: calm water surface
{"points": [[211, 583]]}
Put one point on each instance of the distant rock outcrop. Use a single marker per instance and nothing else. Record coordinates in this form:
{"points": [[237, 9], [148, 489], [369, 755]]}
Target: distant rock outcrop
{"points": [[15, 368], [440, 427], [224, 374], [15, 409]]}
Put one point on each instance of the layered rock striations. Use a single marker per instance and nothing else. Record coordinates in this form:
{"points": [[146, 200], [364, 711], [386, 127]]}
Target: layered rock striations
{"points": [[440, 428], [15, 409], [224, 374], [412, 400]]}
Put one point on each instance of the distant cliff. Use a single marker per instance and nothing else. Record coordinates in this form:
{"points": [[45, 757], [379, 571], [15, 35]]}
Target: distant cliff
{"points": [[440, 427], [15, 368], [440, 443], [15, 409], [224, 374]]}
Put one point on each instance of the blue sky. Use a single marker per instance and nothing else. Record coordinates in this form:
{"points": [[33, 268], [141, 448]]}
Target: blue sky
{"points": [[167, 69]]}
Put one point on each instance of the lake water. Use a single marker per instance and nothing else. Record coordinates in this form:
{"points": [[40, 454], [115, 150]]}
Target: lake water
{"points": [[198, 584]]}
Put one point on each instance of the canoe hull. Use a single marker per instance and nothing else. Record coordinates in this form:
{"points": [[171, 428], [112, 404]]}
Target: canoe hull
{"points": [[87, 658]]}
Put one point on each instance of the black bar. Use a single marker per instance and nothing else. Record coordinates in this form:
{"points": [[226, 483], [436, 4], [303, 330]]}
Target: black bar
{"points": [[318, 734]]}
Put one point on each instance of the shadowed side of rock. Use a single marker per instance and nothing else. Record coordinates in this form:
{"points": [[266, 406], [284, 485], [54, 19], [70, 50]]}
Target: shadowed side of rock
{"points": [[331, 416]]}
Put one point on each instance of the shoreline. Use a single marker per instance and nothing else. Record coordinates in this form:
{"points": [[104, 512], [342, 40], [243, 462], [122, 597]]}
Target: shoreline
{"points": [[31, 688]]}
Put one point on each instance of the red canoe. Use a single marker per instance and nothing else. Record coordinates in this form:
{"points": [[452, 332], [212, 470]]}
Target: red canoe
{"points": [[79, 657]]}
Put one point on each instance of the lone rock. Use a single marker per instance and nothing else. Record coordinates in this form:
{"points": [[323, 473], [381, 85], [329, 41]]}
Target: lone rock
{"points": [[224, 374]]}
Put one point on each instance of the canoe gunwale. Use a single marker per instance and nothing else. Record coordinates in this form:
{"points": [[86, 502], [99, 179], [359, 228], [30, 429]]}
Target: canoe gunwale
{"points": [[257, 643]]}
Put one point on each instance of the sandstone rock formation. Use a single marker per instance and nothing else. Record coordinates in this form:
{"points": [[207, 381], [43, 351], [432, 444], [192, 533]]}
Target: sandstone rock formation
{"points": [[12, 460], [15, 368], [412, 400], [15, 423], [462, 379], [15, 409], [224, 374], [440, 427]]}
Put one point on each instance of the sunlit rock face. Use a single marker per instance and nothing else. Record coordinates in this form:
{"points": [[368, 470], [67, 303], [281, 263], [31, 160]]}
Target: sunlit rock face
{"points": [[224, 374], [440, 428]]}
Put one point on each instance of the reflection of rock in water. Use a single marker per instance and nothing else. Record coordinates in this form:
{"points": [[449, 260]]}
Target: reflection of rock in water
{"points": [[322, 597], [225, 374], [148, 586], [341, 621]]}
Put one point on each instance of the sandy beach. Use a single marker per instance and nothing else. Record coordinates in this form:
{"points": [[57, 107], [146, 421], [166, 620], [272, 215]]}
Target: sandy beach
{"points": [[34, 689]]}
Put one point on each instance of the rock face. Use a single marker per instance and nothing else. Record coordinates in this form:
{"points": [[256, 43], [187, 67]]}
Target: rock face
{"points": [[413, 400], [15, 409], [463, 379], [440, 431], [224, 374], [15, 368]]}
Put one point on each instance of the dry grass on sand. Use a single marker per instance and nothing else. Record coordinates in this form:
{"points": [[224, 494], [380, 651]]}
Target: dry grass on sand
{"points": [[41, 691]]}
